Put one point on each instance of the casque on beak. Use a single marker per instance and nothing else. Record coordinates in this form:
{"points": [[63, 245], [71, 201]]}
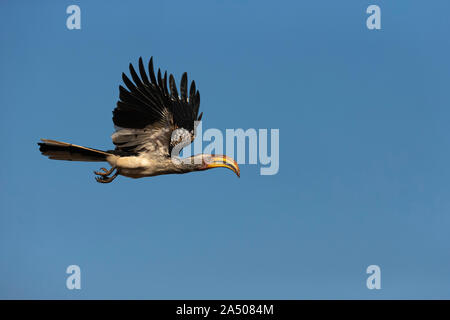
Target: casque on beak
{"points": [[216, 161]]}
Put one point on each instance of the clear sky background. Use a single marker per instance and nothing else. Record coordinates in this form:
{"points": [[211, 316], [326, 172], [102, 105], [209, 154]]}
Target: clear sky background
{"points": [[364, 151]]}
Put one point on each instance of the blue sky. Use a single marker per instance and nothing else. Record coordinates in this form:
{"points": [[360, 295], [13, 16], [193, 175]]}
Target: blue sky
{"points": [[364, 151]]}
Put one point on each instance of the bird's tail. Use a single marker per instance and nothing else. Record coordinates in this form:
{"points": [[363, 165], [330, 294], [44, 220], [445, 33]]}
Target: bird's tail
{"points": [[58, 150]]}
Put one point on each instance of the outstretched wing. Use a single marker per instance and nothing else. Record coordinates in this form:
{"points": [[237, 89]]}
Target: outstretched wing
{"points": [[150, 117]]}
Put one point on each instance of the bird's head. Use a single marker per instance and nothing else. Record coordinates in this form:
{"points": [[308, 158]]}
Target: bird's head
{"points": [[202, 162]]}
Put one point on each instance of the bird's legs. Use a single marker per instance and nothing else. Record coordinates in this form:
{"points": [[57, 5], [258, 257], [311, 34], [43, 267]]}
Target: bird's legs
{"points": [[105, 172], [103, 176]]}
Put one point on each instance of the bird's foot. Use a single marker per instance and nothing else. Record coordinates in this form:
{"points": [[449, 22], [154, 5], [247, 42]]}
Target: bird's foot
{"points": [[104, 180], [105, 172], [103, 177]]}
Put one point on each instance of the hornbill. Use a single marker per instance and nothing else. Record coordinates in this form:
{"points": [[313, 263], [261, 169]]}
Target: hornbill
{"points": [[153, 123]]}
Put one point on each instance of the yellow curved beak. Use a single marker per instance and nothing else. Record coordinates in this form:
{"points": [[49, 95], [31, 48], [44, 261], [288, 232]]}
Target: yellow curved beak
{"points": [[223, 161]]}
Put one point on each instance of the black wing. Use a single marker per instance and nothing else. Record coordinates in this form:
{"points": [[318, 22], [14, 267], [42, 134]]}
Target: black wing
{"points": [[149, 110]]}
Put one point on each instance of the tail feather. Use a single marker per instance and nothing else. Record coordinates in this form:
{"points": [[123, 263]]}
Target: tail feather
{"points": [[58, 150]]}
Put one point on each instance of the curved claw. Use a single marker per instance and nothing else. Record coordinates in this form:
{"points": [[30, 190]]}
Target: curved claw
{"points": [[104, 179]]}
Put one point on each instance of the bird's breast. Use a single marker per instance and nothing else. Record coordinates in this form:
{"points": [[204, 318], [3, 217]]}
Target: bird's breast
{"points": [[139, 166]]}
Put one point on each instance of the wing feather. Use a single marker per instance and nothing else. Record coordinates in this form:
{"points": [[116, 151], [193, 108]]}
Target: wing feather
{"points": [[142, 73], [183, 88], [151, 71], [173, 88]]}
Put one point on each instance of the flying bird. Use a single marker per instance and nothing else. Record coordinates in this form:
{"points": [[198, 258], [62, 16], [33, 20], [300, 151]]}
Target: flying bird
{"points": [[153, 123]]}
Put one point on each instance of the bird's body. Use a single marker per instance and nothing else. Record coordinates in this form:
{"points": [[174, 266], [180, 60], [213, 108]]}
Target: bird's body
{"points": [[139, 166], [144, 166], [152, 126]]}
